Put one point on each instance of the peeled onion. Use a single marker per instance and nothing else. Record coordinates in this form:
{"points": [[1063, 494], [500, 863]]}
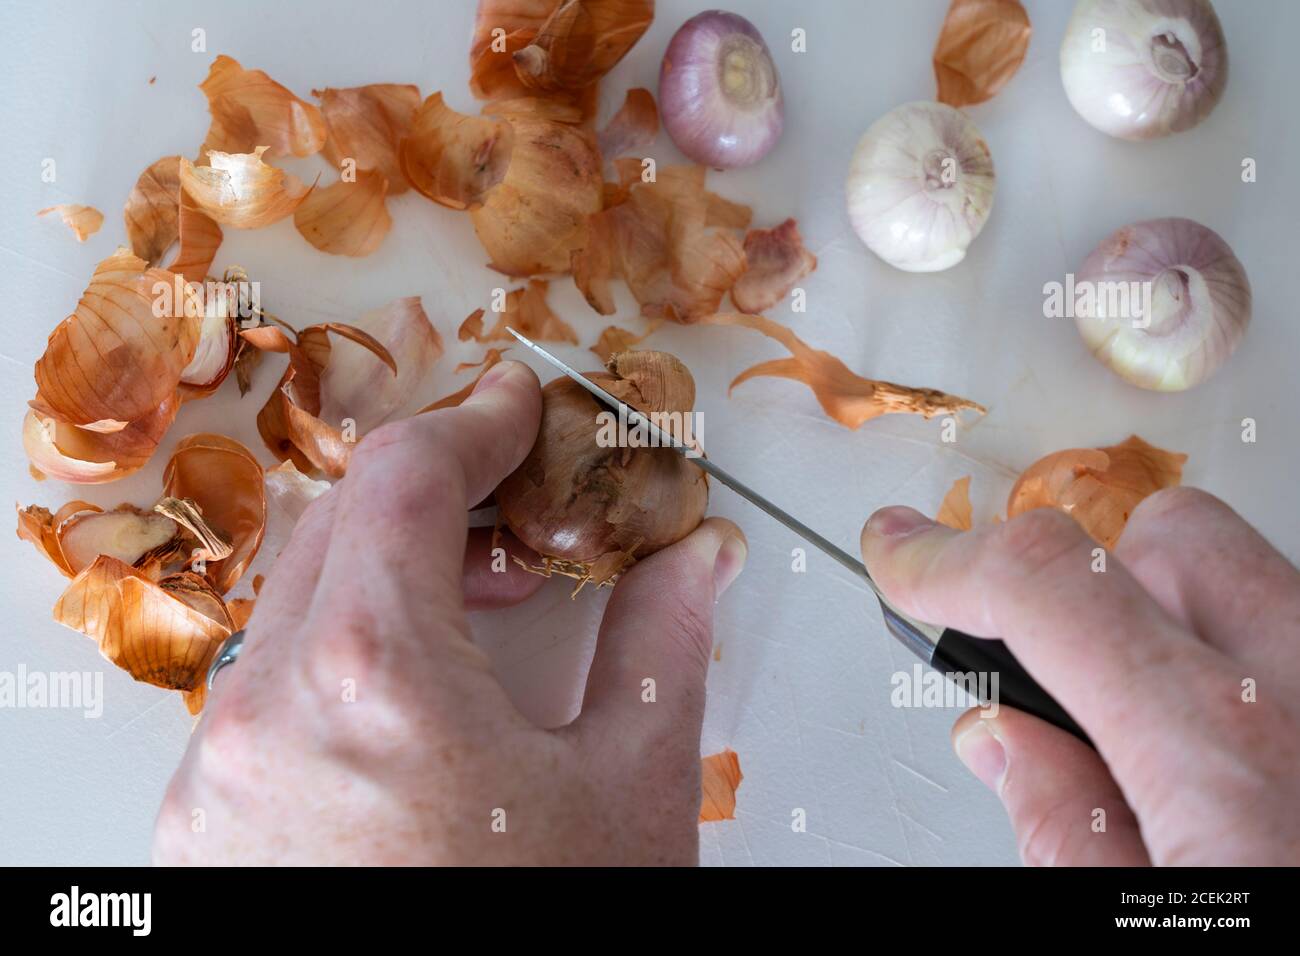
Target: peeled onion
{"points": [[920, 186], [1139, 69], [719, 93], [1200, 303], [588, 510]]}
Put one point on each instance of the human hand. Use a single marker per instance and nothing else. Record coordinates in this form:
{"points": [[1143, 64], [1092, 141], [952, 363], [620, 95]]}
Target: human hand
{"points": [[1155, 658], [360, 725]]}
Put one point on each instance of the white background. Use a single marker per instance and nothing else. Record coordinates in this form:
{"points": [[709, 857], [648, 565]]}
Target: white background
{"points": [[802, 687]]}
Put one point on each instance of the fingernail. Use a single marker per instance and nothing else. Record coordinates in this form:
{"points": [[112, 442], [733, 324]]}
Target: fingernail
{"points": [[729, 563], [983, 754], [897, 521], [493, 375]]}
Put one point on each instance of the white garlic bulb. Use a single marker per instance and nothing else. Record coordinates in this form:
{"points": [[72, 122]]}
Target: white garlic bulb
{"points": [[1139, 69], [920, 186]]}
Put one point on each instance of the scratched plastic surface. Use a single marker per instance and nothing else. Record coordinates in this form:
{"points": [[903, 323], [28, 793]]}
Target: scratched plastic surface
{"points": [[802, 689]]}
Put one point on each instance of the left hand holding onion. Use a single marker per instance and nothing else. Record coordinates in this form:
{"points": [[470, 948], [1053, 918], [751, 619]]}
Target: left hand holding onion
{"points": [[358, 667]]}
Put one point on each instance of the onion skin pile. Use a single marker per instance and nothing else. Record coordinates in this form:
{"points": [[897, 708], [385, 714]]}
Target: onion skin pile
{"points": [[587, 510]]}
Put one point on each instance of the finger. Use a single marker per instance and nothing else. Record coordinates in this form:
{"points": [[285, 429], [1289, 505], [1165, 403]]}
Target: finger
{"points": [[400, 532], [1213, 571], [291, 581], [645, 689], [1108, 653], [1063, 803], [492, 579]]}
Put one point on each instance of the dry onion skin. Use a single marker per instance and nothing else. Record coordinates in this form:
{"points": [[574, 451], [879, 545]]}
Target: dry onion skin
{"points": [[526, 311], [289, 491], [79, 532], [671, 240], [250, 110], [107, 382], [163, 633], [719, 781], [535, 218], [615, 339], [490, 359], [84, 221], [530, 180], [551, 46], [223, 480], [633, 127], [501, 29], [332, 393], [239, 190], [113, 361], [452, 158], [580, 42], [213, 497], [590, 511], [367, 124], [346, 218], [775, 259], [981, 46], [358, 383], [1199, 303], [1097, 487], [955, 509], [159, 214], [847, 398]]}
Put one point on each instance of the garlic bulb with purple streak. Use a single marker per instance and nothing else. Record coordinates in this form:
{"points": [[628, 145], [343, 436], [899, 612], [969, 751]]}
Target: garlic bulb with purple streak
{"points": [[1139, 69], [920, 186], [1195, 303]]}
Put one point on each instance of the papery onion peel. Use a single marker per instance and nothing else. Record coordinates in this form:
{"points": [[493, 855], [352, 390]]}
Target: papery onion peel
{"points": [[240, 190], [1097, 487], [775, 260], [251, 110], [84, 221], [848, 398], [719, 782], [346, 218], [367, 125], [981, 46], [526, 311]]}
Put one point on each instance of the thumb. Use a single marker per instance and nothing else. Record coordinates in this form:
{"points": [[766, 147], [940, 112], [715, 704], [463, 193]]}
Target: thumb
{"points": [[646, 683], [1063, 803]]}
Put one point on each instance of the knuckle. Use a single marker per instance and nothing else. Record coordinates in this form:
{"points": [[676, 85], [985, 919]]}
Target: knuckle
{"points": [[357, 708], [690, 625], [227, 743], [1034, 540], [1047, 834], [1166, 510]]}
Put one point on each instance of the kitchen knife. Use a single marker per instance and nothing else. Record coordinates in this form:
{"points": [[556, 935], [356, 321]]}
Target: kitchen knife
{"points": [[957, 655]]}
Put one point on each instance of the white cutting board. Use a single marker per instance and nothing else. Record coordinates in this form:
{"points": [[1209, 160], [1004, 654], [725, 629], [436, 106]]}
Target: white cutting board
{"points": [[802, 687]]}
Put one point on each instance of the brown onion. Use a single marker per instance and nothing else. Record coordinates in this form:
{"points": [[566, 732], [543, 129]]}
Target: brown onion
{"points": [[588, 510]]}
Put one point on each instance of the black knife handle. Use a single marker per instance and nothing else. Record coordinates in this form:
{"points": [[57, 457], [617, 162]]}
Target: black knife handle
{"points": [[957, 652]]}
